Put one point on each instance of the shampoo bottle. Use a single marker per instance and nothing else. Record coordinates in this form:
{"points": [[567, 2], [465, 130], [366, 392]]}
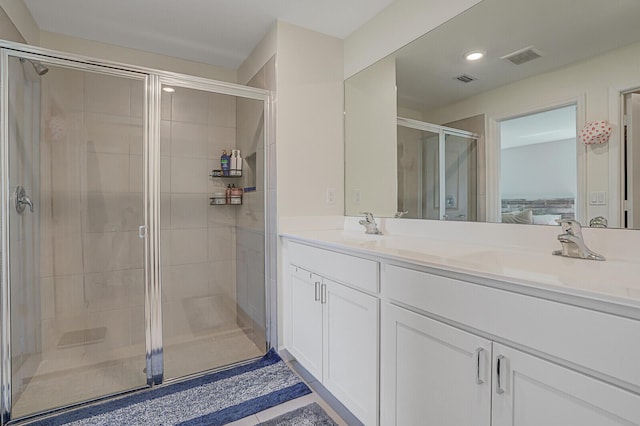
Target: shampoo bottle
{"points": [[234, 162], [224, 163]]}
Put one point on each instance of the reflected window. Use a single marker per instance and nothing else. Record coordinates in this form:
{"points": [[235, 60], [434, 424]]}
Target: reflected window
{"points": [[538, 167]]}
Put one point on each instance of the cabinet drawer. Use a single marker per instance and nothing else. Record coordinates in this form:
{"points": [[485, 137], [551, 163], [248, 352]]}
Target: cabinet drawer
{"points": [[601, 342], [351, 270]]}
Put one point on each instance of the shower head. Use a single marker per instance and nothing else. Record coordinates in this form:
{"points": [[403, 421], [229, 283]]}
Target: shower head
{"points": [[37, 66]]}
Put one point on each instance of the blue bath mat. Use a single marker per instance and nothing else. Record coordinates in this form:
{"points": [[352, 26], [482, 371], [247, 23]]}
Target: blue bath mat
{"points": [[215, 399]]}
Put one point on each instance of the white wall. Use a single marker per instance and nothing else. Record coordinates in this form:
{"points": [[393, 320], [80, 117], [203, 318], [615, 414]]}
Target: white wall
{"points": [[134, 57], [8, 31], [22, 19], [259, 56], [309, 122], [400, 23], [370, 127]]}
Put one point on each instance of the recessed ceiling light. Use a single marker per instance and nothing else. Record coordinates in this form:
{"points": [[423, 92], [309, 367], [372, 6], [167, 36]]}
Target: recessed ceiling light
{"points": [[169, 89], [474, 56]]}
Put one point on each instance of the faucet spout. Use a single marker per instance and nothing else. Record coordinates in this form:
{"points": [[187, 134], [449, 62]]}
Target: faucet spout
{"points": [[572, 243], [370, 225]]}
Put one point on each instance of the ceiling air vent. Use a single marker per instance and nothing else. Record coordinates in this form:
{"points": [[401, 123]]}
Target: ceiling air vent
{"points": [[521, 56], [465, 78]]}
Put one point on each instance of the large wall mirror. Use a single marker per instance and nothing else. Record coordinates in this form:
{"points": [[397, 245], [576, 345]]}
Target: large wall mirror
{"points": [[430, 134]]}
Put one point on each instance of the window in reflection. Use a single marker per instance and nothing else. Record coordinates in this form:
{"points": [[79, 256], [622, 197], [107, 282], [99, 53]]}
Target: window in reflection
{"points": [[538, 170]]}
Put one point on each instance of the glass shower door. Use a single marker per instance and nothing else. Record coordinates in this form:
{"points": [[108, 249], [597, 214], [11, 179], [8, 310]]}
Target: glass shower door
{"points": [[74, 173], [461, 188], [212, 253], [418, 156]]}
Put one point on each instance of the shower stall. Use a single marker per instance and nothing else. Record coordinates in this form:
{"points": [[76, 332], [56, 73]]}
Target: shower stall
{"points": [[437, 172], [118, 272]]}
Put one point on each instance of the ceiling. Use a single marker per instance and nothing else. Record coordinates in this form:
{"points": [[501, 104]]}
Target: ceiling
{"points": [[564, 31], [216, 32]]}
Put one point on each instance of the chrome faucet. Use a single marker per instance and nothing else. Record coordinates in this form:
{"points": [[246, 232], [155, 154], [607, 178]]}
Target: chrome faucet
{"points": [[369, 222], [572, 243]]}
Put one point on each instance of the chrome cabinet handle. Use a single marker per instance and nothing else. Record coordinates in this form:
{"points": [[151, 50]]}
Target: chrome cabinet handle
{"points": [[317, 291], [323, 294], [479, 358], [499, 373]]}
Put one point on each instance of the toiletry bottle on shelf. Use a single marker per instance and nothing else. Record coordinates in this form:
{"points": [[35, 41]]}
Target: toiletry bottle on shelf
{"points": [[227, 194], [236, 195], [238, 163], [233, 163], [224, 163]]}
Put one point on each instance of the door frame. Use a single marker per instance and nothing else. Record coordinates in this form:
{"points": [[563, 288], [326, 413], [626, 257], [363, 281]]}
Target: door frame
{"points": [[493, 156], [616, 151]]}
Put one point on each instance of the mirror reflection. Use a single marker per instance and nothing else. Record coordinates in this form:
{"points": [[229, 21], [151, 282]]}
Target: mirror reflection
{"points": [[513, 152]]}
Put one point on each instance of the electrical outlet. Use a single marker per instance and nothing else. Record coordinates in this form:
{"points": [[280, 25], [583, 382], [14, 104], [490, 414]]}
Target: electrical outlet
{"points": [[356, 196], [331, 196]]}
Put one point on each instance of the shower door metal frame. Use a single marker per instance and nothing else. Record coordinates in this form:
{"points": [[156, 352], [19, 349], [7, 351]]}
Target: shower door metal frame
{"points": [[153, 79]]}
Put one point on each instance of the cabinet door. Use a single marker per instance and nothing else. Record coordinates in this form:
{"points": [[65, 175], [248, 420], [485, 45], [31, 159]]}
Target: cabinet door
{"points": [[351, 349], [306, 320], [532, 392], [432, 373]]}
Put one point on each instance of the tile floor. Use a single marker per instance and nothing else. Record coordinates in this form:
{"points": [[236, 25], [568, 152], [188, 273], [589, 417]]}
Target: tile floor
{"points": [[289, 406], [320, 395]]}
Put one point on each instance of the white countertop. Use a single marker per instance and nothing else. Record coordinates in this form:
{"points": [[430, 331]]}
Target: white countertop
{"points": [[613, 281]]}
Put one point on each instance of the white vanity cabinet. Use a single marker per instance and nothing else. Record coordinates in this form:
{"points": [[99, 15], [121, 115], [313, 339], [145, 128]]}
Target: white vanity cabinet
{"points": [[532, 391], [332, 328], [305, 342], [432, 374], [445, 375]]}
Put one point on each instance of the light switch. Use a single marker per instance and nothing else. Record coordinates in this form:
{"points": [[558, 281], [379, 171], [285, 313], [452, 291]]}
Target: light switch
{"points": [[597, 198]]}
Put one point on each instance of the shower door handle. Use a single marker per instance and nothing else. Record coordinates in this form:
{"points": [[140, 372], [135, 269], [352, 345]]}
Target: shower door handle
{"points": [[22, 200]]}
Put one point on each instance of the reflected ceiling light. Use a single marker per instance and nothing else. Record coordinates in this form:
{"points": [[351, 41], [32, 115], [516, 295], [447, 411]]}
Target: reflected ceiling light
{"points": [[474, 56], [169, 89]]}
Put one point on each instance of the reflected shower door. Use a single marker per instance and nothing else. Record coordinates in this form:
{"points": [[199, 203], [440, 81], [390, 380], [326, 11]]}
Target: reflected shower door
{"points": [[418, 156], [76, 261], [461, 188], [212, 256]]}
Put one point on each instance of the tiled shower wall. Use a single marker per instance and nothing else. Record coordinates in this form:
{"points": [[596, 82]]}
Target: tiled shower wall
{"points": [[92, 204], [90, 208]]}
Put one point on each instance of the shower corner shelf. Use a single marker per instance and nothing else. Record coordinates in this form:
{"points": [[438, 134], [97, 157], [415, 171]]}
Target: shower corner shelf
{"points": [[224, 177], [213, 203]]}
